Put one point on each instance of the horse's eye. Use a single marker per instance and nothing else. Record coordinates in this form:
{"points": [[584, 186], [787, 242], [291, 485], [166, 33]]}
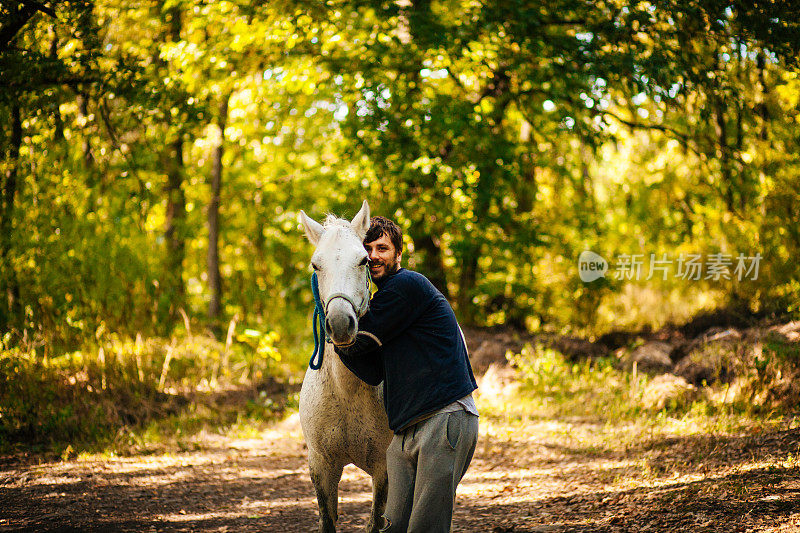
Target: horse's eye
{"points": [[315, 267], [363, 262]]}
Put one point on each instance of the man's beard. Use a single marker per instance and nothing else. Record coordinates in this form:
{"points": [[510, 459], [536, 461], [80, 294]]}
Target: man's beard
{"points": [[388, 269]]}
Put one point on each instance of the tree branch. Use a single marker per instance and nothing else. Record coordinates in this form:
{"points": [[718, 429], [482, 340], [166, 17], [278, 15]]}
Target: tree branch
{"points": [[658, 127], [38, 6], [43, 83]]}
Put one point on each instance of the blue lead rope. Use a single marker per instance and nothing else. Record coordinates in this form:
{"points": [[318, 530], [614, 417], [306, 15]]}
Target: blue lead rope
{"points": [[318, 326], [318, 322]]}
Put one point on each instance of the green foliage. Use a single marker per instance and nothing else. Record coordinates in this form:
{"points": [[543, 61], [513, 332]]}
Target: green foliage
{"points": [[753, 377], [552, 388], [557, 387], [116, 391], [505, 138]]}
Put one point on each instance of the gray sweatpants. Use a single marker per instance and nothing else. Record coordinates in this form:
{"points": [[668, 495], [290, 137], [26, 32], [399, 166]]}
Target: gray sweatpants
{"points": [[425, 463]]}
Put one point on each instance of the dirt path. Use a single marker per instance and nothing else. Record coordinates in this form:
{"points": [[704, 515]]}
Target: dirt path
{"points": [[541, 475]]}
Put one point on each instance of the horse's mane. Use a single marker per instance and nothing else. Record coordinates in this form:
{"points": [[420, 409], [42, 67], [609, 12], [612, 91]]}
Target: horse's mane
{"points": [[332, 220]]}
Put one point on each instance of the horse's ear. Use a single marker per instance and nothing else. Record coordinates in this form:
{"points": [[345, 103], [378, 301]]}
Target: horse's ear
{"points": [[360, 222], [313, 228]]}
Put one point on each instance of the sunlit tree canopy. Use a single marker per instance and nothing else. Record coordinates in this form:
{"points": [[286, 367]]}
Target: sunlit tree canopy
{"points": [[155, 155]]}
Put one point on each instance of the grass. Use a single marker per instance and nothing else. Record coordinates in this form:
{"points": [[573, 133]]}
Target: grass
{"points": [[587, 423], [240, 413], [599, 406], [127, 395]]}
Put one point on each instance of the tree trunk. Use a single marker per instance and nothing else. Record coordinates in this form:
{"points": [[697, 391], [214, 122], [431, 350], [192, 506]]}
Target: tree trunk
{"points": [[482, 194], [214, 278], [466, 285], [723, 153], [9, 192], [762, 107], [83, 113], [525, 188], [723, 148], [432, 265], [10, 181], [176, 220], [58, 133], [175, 231]]}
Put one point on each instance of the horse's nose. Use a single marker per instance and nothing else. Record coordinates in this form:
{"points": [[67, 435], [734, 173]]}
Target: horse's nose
{"points": [[341, 329], [340, 324]]}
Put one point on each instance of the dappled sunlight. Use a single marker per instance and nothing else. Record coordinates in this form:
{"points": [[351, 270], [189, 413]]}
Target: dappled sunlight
{"points": [[530, 468], [638, 305], [583, 181]]}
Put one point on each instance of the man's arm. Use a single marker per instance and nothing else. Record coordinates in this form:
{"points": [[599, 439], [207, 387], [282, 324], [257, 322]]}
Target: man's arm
{"points": [[363, 345], [367, 369], [390, 313]]}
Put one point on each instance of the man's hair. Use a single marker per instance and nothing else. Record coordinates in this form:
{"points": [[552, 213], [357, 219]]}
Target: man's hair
{"points": [[383, 226]]}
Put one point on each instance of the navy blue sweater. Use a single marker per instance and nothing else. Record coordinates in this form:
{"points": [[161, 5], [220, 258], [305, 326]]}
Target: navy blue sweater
{"points": [[410, 340]]}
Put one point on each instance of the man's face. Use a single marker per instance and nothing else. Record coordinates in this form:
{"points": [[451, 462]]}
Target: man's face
{"points": [[384, 259]]}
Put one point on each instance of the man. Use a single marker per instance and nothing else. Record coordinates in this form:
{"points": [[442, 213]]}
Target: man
{"points": [[410, 338]]}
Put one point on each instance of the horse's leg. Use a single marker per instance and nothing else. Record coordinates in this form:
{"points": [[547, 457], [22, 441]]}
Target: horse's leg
{"points": [[380, 489], [325, 476]]}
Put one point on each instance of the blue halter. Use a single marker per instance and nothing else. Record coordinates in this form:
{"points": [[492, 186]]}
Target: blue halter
{"points": [[318, 322], [317, 325]]}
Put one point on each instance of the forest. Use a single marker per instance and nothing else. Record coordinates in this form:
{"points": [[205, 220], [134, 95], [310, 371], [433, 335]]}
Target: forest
{"points": [[154, 157]]}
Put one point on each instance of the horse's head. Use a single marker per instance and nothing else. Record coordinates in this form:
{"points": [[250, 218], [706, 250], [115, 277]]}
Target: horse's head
{"points": [[340, 262]]}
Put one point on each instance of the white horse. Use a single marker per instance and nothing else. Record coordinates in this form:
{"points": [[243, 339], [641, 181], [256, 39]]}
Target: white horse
{"points": [[343, 418]]}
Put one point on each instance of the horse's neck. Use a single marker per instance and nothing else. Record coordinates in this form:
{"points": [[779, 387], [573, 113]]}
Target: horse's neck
{"points": [[341, 377]]}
